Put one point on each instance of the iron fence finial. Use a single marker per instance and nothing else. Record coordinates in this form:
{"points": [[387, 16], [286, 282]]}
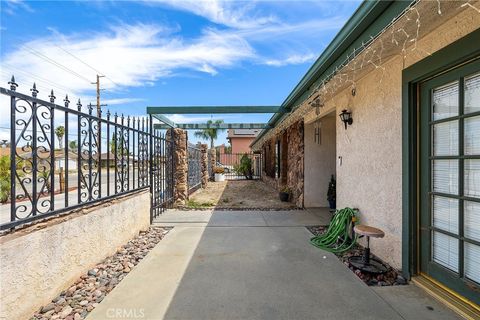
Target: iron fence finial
{"points": [[79, 105], [13, 84], [52, 97], [66, 101], [34, 90]]}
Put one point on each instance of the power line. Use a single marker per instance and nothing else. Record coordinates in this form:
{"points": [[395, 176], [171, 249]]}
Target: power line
{"points": [[55, 63], [37, 77], [88, 65], [77, 58]]}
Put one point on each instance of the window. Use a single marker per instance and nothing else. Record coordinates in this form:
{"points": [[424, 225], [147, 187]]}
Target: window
{"points": [[277, 159]]}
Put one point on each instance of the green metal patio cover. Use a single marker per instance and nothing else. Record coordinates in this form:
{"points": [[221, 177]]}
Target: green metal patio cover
{"points": [[160, 112]]}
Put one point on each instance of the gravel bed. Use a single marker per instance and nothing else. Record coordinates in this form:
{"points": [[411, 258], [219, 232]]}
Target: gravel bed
{"points": [[390, 278], [91, 288]]}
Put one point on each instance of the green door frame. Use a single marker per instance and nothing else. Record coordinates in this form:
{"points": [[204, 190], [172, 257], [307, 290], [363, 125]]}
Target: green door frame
{"points": [[453, 280], [460, 52]]}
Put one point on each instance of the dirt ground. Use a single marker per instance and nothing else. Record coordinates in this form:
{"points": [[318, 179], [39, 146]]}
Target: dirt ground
{"points": [[242, 194]]}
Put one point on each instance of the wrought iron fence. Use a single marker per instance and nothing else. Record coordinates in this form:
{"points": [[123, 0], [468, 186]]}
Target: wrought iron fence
{"points": [[63, 157], [240, 166], [194, 168], [162, 173]]}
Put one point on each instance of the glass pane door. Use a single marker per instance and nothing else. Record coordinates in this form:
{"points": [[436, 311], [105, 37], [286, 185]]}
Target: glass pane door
{"points": [[450, 180]]}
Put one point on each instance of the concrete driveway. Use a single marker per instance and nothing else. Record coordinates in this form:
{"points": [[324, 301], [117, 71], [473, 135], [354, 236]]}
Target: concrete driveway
{"points": [[252, 265]]}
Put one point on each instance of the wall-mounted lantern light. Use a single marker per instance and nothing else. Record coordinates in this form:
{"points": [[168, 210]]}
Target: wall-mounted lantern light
{"points": [[346, 117]]}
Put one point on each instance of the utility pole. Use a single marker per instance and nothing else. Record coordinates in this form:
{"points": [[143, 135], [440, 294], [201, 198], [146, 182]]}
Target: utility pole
{"points": [[99, 106], [99, 113]]}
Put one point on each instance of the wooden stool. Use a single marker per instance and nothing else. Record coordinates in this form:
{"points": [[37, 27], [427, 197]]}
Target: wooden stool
{"points": [[364, 262]]}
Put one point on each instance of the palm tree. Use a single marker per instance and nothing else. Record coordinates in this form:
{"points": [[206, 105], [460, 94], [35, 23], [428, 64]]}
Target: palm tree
{"points": [[210, 133], [60, 132]]}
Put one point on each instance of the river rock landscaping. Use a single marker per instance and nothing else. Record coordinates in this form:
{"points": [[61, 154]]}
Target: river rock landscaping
{"points": [[390, 278], [91, 288]]}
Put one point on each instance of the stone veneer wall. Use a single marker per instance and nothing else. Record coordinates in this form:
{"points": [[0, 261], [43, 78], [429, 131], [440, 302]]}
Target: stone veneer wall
{"points": [[268, 171], [40, 261], [292, 157], [213, 161], [295, 156], [180, 159]]}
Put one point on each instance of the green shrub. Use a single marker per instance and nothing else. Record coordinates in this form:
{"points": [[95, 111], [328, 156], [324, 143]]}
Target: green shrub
{"points": [[245, 167], [5, 185]]}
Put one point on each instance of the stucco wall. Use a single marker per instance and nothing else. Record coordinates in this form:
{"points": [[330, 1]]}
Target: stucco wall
{"points": [[369, 175], [241, 144], [36, 265], [320, 161]]}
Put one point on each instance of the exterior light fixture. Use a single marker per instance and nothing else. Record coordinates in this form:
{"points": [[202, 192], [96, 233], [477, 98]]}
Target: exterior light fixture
{"points": [[346, 117]]}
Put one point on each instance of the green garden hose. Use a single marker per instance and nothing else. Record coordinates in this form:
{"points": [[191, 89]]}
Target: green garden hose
{"points": [[337, 238]]}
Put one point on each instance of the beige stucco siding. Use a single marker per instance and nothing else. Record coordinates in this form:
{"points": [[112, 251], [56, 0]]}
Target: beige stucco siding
{"points": [[36, 266], [369, 174]]}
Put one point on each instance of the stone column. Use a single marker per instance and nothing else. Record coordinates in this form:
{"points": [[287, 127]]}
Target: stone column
{"points": [[213, 161], [180, 158], [204, 149]]}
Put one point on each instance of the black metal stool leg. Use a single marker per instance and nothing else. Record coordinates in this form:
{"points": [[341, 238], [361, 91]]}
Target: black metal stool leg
{"points": [[366, 264], [366, 253]]}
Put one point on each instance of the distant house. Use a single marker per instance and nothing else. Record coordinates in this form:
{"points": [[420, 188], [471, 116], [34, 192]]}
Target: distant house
{"points": [[240, 139], [5, 151], [108, 159], [44, 158]]}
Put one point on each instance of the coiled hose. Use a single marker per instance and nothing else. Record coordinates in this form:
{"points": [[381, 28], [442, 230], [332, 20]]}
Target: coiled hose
{"points": [[337, 238]]}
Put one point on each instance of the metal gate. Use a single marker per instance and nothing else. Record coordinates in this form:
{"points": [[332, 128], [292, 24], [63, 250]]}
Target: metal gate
{"points": [[194, 176], [161, 172], [240, 166]]}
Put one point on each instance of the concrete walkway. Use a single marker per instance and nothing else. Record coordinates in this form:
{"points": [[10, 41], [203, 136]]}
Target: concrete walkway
{"points": [[253, 265]]}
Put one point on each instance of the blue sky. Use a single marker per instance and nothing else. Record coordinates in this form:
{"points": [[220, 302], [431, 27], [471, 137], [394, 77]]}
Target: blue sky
{"points": [[167, 52]]}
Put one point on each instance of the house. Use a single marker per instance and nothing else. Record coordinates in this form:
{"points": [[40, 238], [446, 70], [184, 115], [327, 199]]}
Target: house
{"points": [[391, 108], [240, 139], [44, 158], [5, 151], [108, 159]]}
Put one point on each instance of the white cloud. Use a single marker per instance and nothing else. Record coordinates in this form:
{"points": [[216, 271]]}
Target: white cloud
{"points": [[140, 54], [229, 13], [132, 55], [10, 6], [293, 59], [121, 101]]}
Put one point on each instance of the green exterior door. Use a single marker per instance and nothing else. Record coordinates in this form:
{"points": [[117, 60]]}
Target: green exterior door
{"points": [[450, 179]]}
